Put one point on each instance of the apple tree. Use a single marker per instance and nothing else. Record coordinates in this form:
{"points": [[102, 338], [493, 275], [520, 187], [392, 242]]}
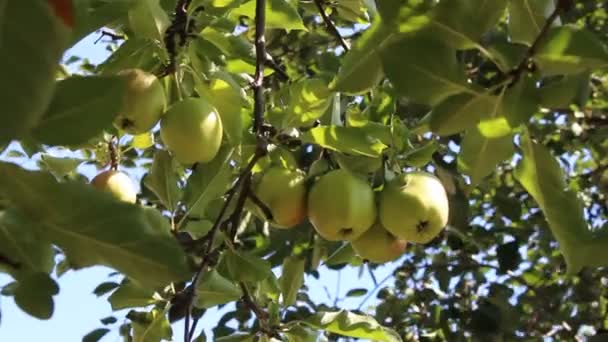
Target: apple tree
{"points": [[228, 150]]}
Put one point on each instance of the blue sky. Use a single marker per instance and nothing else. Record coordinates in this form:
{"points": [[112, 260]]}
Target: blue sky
{"points": [[78, 310]]}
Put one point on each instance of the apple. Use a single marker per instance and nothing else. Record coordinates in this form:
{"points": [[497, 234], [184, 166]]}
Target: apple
{"points": [[341, 206], [283, 191], [414, 207], [192, 130], [116, 183], [379, 245], [144, 102]]}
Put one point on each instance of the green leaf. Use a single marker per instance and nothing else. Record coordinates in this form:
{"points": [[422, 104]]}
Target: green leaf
{"points": [[361, 68], [93, 15], [299, 333], [421, 156], [346, 323], [423, 69], [460, 112], [354, 140], [80, 109], [540, 174], [309, 99], [230, 45], [95, 335], [480, 155], [527, 18], [570, 50], [344, 254], [208, 182], [246, 267], [136, 52], [292, 278], [569, 89], [280, 14], [148, 20], [60, 167], [237, 338], [518, 105], [448, 24], [150, 326], [28, 63], [103, 231], [130, 295], [227, 98], [104, 288], [20, 241], [162, 180], [34, 295], [214, 290], [143, 141]]}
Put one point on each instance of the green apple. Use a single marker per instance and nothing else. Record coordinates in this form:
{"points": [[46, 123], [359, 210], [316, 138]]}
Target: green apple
{"points": [[414, 207], [116, 183], [378, 245], [341, 206], [283, 191], [144, 102], [192, 130]]}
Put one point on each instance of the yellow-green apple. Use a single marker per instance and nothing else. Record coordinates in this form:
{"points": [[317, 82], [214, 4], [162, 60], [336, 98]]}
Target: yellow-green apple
{"points": [[283, 191], [378, 245], [116, 183], [144, 102], [341, 206], [192, 130], [414, 207]]}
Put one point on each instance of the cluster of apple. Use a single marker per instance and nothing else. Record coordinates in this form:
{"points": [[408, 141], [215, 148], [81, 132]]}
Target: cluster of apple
{"points": [[412, 207]]}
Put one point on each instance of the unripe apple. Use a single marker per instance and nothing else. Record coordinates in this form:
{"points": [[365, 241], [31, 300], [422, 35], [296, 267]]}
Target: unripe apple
{"points": [[378, 245], [116, 183], [414, 207], [144, 102], [341, 206], [192, 130], [283, 191]]}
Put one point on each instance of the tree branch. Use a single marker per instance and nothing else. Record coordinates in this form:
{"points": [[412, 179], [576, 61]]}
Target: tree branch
{"points": [[177, 29], [330, 26], [261, 59]]}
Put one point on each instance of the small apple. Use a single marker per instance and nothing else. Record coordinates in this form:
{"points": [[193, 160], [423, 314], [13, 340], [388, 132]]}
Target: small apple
{"points": [[192, 130], [378, 245], [283, 191], [341, 206], [144, 102], [116, 183], [414, 207]]}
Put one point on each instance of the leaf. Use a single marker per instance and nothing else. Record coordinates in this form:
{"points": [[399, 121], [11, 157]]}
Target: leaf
{"points": [[208, 182], [518, 105], [104, 288], [527, 18], [569, 89], [143, 141], [20, 241], [423, 69], [214, 290], [93, 15], [480, 155], [148, 20], [356, 293], [344, 254], [309, 99], [103, 231], [570, 50], [508, 256], [140, 53], [421, 156], [448, 24], [80, 109], [540, 174], [346, 323], [230, 45], [162, 180], [353, 140], [246, 267], [60, 167], [227, 98], [95, 335], [460, 112], [361, 68], [292, 279], [28, 63], [280, 14], [150, 326], [34, 295], [130, 295], [237, 338]]}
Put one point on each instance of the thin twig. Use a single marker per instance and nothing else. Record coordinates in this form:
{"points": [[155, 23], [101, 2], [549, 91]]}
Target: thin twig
{"points": [[261, 58], [113, 36], [272, 64], [330, 26], [371, 293], [261, 205], [261, 315]]}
